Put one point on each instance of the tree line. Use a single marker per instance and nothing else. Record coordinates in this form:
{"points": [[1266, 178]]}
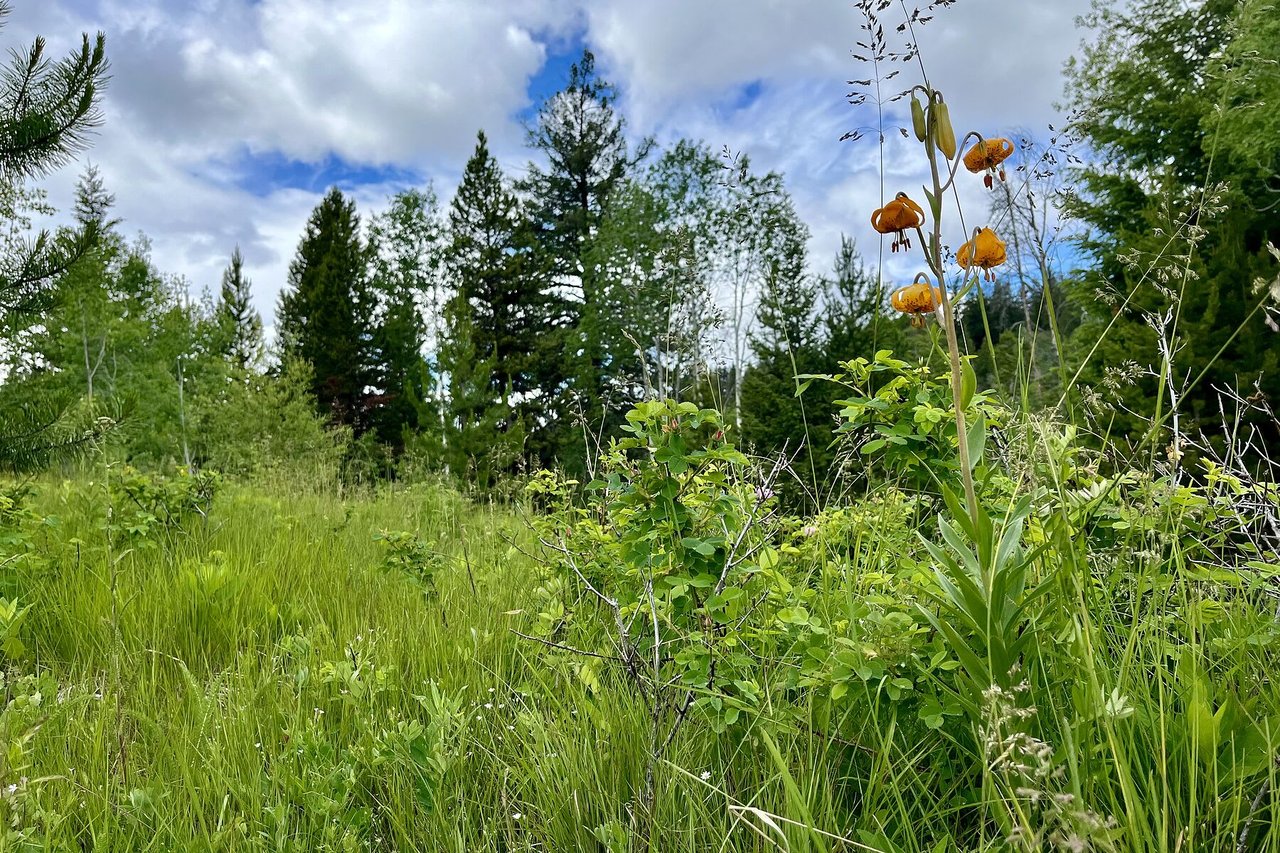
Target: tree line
{"points": [[506, 330], [510, 328]]}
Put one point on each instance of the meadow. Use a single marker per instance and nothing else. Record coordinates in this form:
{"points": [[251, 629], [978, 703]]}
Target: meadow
{"points": [[583, 512], [201, 664]]}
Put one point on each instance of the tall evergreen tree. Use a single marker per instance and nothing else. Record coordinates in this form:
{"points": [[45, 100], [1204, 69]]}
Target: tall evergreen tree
{"points": [[93, 202], [238, 322], [484, 435], [1178, 102], [583, 140], [498, 306], [785, 342], [852, 307], [405, 248], [323, 314]]}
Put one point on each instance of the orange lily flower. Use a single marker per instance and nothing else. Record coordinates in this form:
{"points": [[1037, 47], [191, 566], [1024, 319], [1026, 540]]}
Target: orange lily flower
{"points": [[917, 299], [896, 217], [988, 154], [985, 250]]}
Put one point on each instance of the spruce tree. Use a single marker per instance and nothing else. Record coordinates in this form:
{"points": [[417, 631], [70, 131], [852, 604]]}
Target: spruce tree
{"points": [[405, 247], [584, 141], [1177, 101], [851, 308], [93, 202], [785, 342], [238, 322], [499, 295], [483, 437], [323, 313]]}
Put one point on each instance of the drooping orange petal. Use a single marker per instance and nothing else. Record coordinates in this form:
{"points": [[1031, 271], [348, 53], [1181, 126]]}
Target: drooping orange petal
{"points": [[987, 154], [918, 298]]}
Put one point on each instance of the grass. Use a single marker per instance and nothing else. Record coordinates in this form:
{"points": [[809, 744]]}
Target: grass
{"points": [[262, 679]]}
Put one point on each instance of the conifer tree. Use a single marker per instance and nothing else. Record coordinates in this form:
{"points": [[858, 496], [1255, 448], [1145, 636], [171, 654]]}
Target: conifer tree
{"points": [[323, 313], [238, 322], [406, 249], [1178, 103], [851, 309], [483, 438], [47, 110], [93, 202], [499, 299], [785, 342], [584, 142]]}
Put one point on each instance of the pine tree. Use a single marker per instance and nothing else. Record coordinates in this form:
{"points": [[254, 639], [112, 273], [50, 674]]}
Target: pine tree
{"points": [[47, 110], [851, 309], [483, 438], [93, 202], [237, 320], [85, 297], [1178, 102], [323, 314], [787, 319], [584, 141]]}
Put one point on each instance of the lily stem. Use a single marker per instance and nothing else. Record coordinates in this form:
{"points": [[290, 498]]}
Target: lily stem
{"points": [[933, 252]]}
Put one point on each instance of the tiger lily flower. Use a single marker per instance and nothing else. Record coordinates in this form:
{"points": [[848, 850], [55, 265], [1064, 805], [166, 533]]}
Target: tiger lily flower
{"points": [[988, 154], [896, 217], [985, 250], [917, 300]]}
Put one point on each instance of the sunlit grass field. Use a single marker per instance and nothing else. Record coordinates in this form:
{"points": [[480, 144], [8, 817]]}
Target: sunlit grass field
{"points": [[269, 677]]}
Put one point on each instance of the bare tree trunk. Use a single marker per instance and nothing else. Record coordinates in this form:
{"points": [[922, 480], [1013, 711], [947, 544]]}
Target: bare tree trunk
{"points": [[1015, 231], [182, 417]]}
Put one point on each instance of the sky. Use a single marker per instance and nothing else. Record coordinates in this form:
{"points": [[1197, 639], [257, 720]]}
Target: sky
{"points": [[227, 120]]}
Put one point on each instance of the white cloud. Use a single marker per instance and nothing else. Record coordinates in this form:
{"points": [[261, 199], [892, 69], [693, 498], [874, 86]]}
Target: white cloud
{"points": [[684, 71], [395, 81], [199, 84]]}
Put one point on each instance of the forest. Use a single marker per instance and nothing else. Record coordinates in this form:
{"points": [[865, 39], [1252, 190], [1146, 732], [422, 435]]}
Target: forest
{"points": [[587, 509]]}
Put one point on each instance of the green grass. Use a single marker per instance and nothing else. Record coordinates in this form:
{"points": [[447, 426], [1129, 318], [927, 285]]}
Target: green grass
{"points": [[260, 680]]}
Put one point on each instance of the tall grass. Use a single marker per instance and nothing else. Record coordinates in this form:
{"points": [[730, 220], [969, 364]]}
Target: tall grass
{"points": [[263, 680]]}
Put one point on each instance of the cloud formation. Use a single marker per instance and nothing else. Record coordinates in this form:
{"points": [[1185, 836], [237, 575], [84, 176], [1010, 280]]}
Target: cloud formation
{"points": [[226, 117]]}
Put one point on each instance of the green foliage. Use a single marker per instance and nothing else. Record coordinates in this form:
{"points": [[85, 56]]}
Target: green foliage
{"points": [[583, 140], [786, 343], [283, 654], [238, 323], [23, 700], [902, 420], [672, 542], [405, 247], [11, 616], [1178, 201], [255, 424], [982, 575], [1078, 657], [323, 317], [49, 109], [407, 553], [146, 507], [497, 349]]}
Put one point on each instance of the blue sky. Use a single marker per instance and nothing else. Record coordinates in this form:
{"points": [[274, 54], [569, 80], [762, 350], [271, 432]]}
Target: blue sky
{"points": [[228, 119]]}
